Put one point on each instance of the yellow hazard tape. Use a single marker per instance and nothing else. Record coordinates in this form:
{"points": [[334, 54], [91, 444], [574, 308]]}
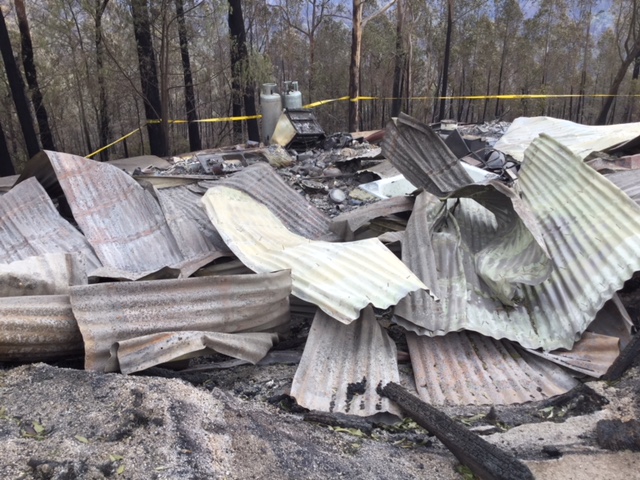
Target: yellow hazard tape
{"points": [[320, 103], [113, 143], [325, 102]]}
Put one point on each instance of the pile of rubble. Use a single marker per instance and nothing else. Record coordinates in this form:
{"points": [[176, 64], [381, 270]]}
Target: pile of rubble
{"points": [[504, 284]]}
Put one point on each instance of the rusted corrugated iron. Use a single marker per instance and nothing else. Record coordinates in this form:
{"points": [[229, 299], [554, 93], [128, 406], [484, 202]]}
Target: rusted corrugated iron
{"points": [[50, 274], [109, 313], [192, 229], [342, 365], [262, 183], [422, 156], [592, 355], [121, 220], [140, 353], [38, 328], [30, 226], [470, 369], [341, 278]]}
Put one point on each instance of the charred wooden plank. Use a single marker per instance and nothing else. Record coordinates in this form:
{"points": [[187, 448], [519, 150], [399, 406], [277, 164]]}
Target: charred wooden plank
{"points": [[339, 420], [484, 459]]}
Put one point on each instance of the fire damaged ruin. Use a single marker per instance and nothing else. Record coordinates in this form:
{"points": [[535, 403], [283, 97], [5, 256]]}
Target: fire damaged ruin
{"points": [[393, 277]]}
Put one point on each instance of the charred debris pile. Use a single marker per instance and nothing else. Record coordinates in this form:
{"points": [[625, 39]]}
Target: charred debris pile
{"points": [[501, 253]]}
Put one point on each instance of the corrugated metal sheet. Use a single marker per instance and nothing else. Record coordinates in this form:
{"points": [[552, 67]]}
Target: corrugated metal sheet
{"points": [[591, 230], [140, 353], [346, 224], [592, 355], [30, 226], [470, 369], [121, 220], [38, 328], [517, 253], [580, 139], [114, 312], [50, 274], [262, 183], [341, 278], [628, 182], [192, 229], [422, 156], [342, 365]]}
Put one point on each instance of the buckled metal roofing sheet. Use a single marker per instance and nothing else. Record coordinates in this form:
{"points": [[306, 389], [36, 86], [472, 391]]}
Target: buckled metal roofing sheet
{"points": [[38, 328], [341, 278], [50, 274], [579, 139], [342, 365], [263, 184], [108, 313], [591, 230], [121, 220], [192, 229], [30, 226], [422, 156], [470, 369]]}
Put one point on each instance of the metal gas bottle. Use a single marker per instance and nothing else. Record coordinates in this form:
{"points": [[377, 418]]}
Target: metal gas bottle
{"points": [[292, 96], [271, 106]]}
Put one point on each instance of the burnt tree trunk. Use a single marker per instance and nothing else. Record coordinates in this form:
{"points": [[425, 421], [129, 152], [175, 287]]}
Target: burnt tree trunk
{"points": [[17, 91], [189, 95], [615, 85], [104, 130], [243, 91], [398, 71], [354, 67], [6, 165], [149, 78], [32, 77], [447, 55]]}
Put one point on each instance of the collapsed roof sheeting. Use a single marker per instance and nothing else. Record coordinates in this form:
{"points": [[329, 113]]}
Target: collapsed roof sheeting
{"points": [[592, 355], [114, 312], [188, 221], [517, 253], [470, 369], [262, 183], [422, 156], [591, 228], [342, 365], [38, 328], [50, 274], [628, 182], [121, 220], [579, 139], [593, 250], [30, 226], [341, 278], [140, 353]]}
